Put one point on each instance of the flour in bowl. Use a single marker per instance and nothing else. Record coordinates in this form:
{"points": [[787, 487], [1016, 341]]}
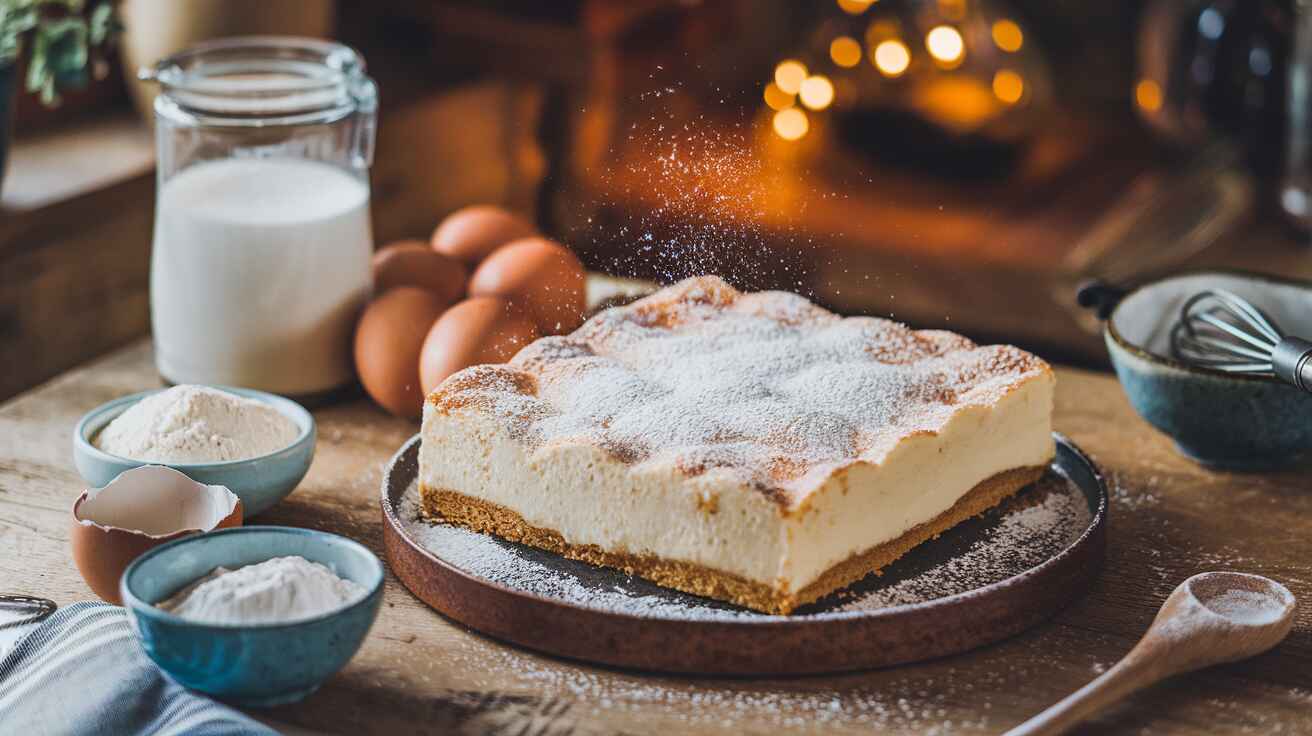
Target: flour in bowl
{"points": [[278, 590], [197, 424]]}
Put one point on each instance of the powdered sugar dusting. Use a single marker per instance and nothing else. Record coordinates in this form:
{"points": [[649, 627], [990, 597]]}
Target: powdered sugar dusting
{"points": [[1032, 529], [1246, 606], [767, 388], [1024, 532]]}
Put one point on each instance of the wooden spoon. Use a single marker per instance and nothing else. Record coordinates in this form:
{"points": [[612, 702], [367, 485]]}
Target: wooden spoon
{"points": [[1211, 618]]}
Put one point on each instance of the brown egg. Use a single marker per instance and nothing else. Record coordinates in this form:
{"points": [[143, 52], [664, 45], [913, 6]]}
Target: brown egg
{"points": [[543, 276], [472, 233], [140, 509], [387, 343], [473, 332], [414, 263]]}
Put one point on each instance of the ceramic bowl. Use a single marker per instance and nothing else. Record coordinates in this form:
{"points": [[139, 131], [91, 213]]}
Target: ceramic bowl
{"points": [[259, 482], [259, 664], [1219, 419]]}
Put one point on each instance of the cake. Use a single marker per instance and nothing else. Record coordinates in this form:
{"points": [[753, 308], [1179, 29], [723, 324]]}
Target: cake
{"points": [[749, 447]]}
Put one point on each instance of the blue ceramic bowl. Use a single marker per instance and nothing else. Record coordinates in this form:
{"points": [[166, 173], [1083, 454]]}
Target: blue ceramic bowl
{"points": [[1219, 419], [259, 482], [254, 665]]}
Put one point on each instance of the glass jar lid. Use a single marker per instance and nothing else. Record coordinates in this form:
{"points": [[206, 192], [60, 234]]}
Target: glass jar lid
{"points": [[262, 81]]}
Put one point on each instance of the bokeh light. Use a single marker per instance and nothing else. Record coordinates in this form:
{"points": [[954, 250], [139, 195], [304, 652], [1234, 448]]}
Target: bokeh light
{"points": [[1008, 86], [1148, 95], [776, 98], [789, 75], [817, 92], [945, 45], [881, 30], [791, 124], [891, 58], [959, 102], [1007, 35], [855, 7], [845, 51]]}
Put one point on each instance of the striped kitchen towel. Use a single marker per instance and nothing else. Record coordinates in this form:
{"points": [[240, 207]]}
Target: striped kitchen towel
{"points": [[81, 671]]}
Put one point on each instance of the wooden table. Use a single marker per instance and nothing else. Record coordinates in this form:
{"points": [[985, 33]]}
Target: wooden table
{"points": [[419, 673]]}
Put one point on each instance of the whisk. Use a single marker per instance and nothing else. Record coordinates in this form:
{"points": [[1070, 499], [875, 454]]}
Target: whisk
{"points": [[1225, 332]]}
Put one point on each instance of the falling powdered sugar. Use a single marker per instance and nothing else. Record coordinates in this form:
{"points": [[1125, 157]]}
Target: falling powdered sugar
{"points": [[691, 193]]}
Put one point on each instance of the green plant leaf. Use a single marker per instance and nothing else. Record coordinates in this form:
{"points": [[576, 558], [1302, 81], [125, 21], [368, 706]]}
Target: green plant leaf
{"points": [[16, 19], [59, 58], [58, 45], [104, 24]]}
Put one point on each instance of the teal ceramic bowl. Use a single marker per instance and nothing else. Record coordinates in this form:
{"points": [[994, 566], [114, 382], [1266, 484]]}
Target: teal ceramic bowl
{"points": [[254, 665], [259, 482], [1219, 419]]}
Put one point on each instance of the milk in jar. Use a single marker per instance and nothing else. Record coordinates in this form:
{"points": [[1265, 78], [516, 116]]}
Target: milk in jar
{"points": [[260, 263], [259, 271]]}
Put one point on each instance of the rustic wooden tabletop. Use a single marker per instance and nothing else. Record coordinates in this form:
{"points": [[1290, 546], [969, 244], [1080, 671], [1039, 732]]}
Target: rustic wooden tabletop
{"points": [[420, 673]]}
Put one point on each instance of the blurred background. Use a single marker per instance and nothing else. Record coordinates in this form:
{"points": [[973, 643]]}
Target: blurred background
{"points": [[965, 164]]}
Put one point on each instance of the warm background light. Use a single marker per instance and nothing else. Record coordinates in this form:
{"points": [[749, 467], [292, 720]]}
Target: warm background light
{"points": [[854, 7], [776, 98], [845, 51], [1008, 86], [817, 92], [952, 9], [945, 45], [1007, 35], [891, 58], [882, 30], [956, 101], [1148, 94], [790, 124], [789, 75]]}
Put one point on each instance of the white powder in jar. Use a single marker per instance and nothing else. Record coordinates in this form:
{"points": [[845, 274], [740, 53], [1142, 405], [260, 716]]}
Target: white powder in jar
{"points": [[278, 590], [197, 424]]}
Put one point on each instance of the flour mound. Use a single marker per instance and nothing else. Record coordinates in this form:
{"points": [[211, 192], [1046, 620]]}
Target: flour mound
{"points": [[197, 424], [277, 590]]}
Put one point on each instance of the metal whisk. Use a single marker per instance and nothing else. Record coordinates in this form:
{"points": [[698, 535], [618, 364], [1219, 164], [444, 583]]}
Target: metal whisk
{"points": [[1225, 332]]}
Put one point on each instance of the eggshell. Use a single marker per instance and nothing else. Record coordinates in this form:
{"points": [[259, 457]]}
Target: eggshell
{"points": [[387, 343], [473, 332], [414, 263], [472, 233], [543, 276], [140, 509]]}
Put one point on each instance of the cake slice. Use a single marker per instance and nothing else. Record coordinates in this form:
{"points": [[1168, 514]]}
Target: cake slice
{"points": [[753, 448]]}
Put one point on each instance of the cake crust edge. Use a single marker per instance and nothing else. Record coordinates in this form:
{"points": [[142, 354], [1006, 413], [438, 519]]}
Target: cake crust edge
{"points": [[446, 505]]}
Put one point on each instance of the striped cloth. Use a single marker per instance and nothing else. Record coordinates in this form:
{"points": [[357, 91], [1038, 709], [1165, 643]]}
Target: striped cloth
{"points": [[82, 672]]}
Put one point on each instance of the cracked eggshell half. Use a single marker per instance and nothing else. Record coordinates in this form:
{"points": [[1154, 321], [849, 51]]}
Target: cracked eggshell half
{"points": [[140, 509]]}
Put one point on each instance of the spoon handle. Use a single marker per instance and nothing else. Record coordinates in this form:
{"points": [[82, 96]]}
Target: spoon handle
{"points": [[1133, 672]]}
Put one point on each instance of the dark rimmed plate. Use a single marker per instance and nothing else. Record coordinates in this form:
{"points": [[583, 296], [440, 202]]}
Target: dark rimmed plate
{"points": [[984, 580]]}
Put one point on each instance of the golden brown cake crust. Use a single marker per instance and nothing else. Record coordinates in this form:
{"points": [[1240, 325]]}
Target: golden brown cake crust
{"points": [[482, 516]]}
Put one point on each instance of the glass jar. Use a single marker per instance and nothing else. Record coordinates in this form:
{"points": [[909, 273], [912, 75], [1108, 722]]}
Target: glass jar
{"points": [[262, 242]]}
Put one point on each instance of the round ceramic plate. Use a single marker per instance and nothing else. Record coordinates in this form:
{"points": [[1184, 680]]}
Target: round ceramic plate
{"points": [[983, 580]]}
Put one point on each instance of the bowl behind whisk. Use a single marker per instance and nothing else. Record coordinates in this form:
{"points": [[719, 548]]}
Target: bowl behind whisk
{"points": [[1217, 418]]}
